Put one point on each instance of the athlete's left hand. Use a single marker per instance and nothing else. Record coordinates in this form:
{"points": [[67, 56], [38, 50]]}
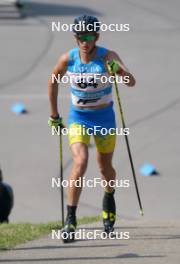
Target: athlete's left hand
{"points": [[114, 67], [56, 122]]}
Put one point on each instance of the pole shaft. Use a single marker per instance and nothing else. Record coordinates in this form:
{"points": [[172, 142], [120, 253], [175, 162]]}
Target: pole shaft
{"points": [[61, 177], [128, 148]]}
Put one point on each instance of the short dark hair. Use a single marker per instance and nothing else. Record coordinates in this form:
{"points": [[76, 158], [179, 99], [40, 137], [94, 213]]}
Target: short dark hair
{"points": [[89, 24]]}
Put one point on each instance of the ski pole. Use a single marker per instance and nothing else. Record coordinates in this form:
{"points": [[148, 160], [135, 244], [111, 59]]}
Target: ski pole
{"points": [[61, 176], [128, 146]]}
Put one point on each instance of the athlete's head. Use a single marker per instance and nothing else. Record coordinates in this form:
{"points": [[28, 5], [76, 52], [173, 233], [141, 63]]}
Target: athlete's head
{"points": [[86, 32]]}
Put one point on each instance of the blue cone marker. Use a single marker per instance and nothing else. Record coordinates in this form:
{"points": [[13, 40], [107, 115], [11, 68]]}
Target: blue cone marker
{"points": [[18, 109], [148, 170]]}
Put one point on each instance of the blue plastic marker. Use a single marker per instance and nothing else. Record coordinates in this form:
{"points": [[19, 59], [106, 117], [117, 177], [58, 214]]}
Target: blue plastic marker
{"points": [[148, 170], [18, 108]]}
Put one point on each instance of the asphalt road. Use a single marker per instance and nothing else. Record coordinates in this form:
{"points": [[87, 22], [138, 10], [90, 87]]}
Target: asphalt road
{"points": [[148, 243]]}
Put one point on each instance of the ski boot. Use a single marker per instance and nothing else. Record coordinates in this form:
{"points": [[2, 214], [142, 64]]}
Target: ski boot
{"points": [[68, 231], [109, 212]]}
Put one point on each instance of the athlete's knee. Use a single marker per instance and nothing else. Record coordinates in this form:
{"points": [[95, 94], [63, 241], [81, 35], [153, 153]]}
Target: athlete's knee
{"points": [[80, 159], [80, 165], [107, 171], [105, 165]]}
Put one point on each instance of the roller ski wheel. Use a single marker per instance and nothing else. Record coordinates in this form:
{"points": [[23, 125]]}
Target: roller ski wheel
{"points": [[68, 233], [108, 227]]}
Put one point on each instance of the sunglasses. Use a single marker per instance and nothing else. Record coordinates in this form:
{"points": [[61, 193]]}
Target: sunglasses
{"points": [[87, 38]]}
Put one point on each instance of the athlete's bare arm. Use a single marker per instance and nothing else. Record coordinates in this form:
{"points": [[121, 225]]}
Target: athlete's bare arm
{"points": [[124, 72], [59, 69]]}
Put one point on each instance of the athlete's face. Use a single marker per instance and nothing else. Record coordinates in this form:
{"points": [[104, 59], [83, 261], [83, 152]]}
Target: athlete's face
{"points": [[86, 42]]}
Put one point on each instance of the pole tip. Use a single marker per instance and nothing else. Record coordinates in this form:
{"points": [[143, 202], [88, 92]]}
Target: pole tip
{"points": [[141, 212]]}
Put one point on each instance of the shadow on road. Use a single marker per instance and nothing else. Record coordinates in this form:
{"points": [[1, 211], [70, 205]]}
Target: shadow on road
{"points": [[73, 245], [36, 9], [122, 256], [52, 9]]}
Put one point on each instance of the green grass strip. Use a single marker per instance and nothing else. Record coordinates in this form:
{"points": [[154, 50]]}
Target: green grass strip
{"points": [[13, 234]]}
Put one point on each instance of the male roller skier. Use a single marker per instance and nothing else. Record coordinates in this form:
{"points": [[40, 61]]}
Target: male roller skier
{"points": [[91, 105]]}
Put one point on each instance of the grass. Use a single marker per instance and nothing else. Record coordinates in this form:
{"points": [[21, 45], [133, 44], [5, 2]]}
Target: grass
{"points": [[13, 234]]}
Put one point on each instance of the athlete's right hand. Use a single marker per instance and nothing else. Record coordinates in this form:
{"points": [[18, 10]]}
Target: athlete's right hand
{"points": [[55, 122]]}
